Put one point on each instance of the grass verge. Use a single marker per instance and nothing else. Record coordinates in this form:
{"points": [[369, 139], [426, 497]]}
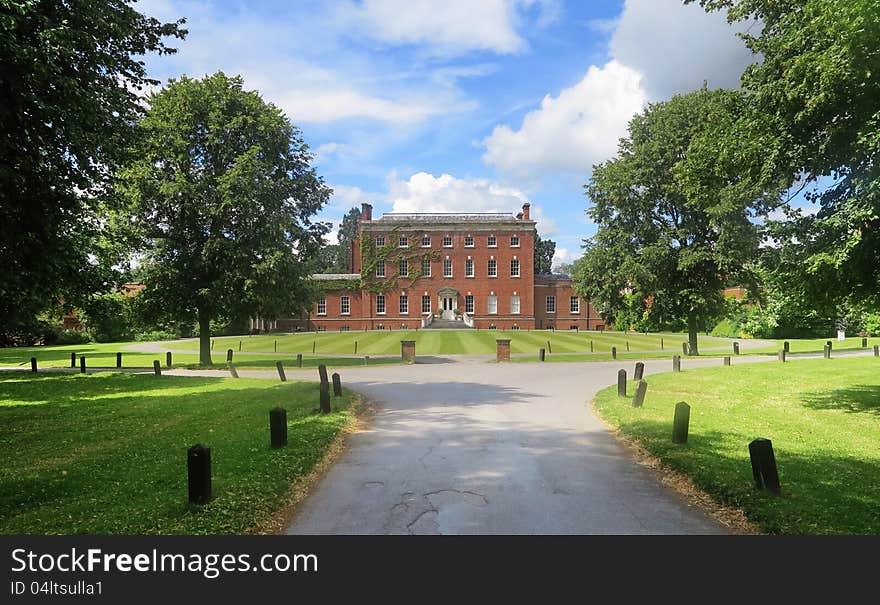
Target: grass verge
{"points": [[106, 453], [821, 415]]}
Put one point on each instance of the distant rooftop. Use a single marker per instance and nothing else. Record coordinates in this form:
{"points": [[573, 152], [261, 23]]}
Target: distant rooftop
{"points": [[334, 276], [450, 217], [553, 276]]}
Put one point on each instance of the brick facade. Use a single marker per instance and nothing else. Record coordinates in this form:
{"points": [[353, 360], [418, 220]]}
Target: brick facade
{"points": [[483, 260]]}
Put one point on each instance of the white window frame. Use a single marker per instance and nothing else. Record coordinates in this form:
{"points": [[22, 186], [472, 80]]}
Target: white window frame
{"points": [[380, 298], [574, 305], [447, 262], [322, 303], [491, 242], [449, 239], [404, 264], [512, 265], [469, 304], [492, 309], [514, 241], [426, 238], [380, 241], [426, 308], [515, 310], [403, 304], [547, 305], [468, 238], [403, 242], [344, 302], [492, 268], [469, 267], [426, 267], [380, 268]]}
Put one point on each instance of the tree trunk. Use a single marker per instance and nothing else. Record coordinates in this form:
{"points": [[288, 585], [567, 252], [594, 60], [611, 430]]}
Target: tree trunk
{"points": [[204, 338], [692, 334]]}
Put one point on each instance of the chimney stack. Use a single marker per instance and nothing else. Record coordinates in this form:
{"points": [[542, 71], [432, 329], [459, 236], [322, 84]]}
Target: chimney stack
{"points": [[525, 212], [366, 212]]}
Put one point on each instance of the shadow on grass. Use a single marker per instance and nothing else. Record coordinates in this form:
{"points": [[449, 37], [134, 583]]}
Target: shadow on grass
{"points": [[857, 398]]}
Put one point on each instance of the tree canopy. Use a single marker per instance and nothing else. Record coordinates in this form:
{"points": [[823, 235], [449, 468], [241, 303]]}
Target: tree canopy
{"points": [[544, 251], [69, 85], [675, 211], [222, 198], [818, 80]]}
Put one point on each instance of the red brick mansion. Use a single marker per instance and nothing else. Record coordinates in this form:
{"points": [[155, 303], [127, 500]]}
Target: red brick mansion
{"points": [[413, 271]]}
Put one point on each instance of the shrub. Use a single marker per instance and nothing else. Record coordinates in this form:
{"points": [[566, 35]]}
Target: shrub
{"points": [[72, 337], [155, 335], [872, 324]]}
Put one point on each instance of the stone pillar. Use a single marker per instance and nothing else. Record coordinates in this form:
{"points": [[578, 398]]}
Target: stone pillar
{"points": [[502, 350], [408, 351]]}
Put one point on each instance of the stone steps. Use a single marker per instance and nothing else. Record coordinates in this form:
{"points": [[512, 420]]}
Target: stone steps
{"points": [[447, 324]]}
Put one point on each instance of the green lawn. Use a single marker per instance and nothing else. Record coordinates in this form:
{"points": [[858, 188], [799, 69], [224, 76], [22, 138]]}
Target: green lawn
{"points": [[103, 355], [106, 453], [822, 416], [447, 342]]}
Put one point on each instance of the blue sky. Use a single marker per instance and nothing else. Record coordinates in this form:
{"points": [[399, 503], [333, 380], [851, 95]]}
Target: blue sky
{"points": [[460, 105]]}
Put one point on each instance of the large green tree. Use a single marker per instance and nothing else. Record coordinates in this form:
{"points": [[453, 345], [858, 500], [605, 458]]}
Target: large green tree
{"points": [[544, 251], [336, 258], [818, 79], [223, 197], [70, 76], [675, 210]]}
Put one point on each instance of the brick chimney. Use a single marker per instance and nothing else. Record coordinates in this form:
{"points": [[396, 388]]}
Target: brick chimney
{"points": [[525, 212], [366, 212]]}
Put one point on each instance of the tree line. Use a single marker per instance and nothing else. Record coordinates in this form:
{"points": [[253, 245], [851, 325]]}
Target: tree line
{"points": [[700, 194]]}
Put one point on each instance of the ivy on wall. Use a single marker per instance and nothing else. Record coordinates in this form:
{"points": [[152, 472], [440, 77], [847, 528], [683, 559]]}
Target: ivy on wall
{"points": [[392, 254]]}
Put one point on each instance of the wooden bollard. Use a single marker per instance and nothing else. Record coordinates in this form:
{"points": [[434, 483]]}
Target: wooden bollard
{"points": [[278, 427], [676, 363], [540, 354], [228, 355], [786, 346], [661, 343], [157, 368], [727, 360], [337, 385], [168, 359], [276, 345], [621, 383], [239, 346], [198, 467], [314, 346], [549, 348], [72, 359], [684, 348], [299, 360], [34, 365], [639, 372], [764, 465], [641, 389], [324, 390], [613, 352], [280, 367], [864, 343], [680, 422], [736, 348], [627, 346], [118, 360], [355, 347], [782, 355], [232, 370], [829, 344], [876, 350], [82, 364], [826, 352], [322, 373], [591, 346]]}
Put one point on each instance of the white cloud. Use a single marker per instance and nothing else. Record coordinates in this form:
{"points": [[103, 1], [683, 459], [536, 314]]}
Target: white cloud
{"points": [[574, 130], [424, 192], [448, 27], [676, 46], [563, 256]]}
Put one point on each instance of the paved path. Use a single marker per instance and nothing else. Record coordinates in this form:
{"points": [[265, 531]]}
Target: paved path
{"points": [[475, 448]]}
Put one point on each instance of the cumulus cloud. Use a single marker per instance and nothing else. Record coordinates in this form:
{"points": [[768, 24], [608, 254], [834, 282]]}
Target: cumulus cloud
{"points": [[424, 192], [574, 130], [677, 47], [449, 27]]}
